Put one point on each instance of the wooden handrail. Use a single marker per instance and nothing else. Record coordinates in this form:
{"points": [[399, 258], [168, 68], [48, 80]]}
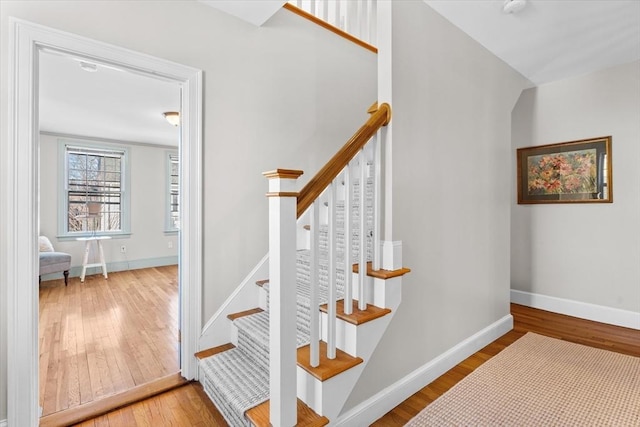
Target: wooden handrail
{"points": [[306, 15], [379, 117]]}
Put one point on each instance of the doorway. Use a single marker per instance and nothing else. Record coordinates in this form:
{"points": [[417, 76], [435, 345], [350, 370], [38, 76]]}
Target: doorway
{"points": [[28, 43], [107, 186]]}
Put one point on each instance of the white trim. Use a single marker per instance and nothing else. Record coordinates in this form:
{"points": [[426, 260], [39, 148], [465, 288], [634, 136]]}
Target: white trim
{"points": [[583, 310], [245, 297], [26, 41], [3, 423], [392, 255], [76, 137], [379, 404]]}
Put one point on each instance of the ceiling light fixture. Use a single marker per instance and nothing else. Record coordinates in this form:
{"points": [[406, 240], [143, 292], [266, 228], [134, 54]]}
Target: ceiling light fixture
{"points": [[173, 117], [513, 6]]}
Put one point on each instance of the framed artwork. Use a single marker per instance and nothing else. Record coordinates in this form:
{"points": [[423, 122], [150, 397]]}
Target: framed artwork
{"points": [[568, 172]]}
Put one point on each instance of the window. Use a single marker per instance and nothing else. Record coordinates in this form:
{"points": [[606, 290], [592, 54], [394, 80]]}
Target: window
{"points": [[173, 192], [94, 190]]}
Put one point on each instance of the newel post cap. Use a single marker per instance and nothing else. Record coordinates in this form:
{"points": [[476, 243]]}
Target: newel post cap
{"points": [[283, 174]]}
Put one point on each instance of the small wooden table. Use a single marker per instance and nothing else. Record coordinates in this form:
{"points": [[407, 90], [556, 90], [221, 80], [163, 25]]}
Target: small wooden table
{"points": [[87, 248]]}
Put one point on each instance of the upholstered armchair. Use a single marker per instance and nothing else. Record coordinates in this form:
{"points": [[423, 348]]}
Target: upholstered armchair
{"points": [[52, 261]]}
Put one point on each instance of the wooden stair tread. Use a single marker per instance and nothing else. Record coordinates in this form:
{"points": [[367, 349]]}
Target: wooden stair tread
{"points": [[259, 416], [327, 368], [382, 274], [234, 316], [215, 350], [357, 316], [262, 282]]}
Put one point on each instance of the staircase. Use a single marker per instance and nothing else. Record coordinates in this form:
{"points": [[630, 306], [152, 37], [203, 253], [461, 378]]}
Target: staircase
{"points": [[341, 310]]}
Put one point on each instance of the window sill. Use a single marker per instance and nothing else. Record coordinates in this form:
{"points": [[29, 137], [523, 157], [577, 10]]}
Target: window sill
{"points": [[71, 237]]}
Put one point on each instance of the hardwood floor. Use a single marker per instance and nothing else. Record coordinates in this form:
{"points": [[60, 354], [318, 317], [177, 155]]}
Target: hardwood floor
{"points": [[158, 411], [102, 337], [184, 406]]}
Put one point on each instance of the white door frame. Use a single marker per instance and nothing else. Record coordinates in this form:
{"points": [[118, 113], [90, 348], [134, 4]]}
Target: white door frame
{"points": [[27, 39]]}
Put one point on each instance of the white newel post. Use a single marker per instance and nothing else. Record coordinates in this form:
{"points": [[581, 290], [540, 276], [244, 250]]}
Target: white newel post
{"points": [[282, 299]]}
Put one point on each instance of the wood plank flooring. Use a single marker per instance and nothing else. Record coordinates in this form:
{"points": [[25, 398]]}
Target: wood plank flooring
{"points": [[155, 411], [184, 406], [102, 337]]}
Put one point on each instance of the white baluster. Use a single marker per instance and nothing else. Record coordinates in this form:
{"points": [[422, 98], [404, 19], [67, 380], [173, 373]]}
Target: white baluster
{"points": [[331, 303], [348, 245], [377, 208], [356, 17], [362, 267], [351, 16], [314, 349], [324, 10], [362, 13], [372, 22], [339, 10]]}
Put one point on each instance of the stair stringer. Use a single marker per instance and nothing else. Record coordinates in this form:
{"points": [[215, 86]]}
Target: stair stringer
{"points": [[328, 397], [245, 297]]}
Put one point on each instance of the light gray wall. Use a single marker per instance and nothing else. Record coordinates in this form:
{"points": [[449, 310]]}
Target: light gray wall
{"points": [[148, 240], [283, 95], [583, 252], [452, 104]]}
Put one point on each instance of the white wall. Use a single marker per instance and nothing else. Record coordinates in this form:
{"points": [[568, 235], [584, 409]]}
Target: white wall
{"points": [[148, 243], [582, 252], [452, 104], [283, 95]]}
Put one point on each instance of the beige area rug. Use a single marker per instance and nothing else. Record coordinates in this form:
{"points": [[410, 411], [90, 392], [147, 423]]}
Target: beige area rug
{"points": [[541, 381]]}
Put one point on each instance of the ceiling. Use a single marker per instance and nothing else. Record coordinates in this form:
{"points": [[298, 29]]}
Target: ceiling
{"points": [[546, 41], [108, 103], [551, 40]]}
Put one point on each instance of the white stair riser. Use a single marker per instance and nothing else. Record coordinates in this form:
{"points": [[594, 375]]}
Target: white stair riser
{"points": [[233, 334], [368, 287], [263, 300], [327, 397], [346, 334], [387, 293], [356, 340]]}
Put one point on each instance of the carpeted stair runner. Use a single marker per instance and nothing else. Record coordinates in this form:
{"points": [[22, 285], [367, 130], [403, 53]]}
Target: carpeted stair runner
{"points": [[234, 382], [237, 380]]}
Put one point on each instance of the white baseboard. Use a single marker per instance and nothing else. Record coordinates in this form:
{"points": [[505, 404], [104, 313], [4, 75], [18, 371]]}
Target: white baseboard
{"points": [[3, 423], [112, 267], [379, 404], [583, 310]]}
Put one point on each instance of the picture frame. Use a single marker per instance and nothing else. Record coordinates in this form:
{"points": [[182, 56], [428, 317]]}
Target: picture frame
{"points": [[567, 172]]}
